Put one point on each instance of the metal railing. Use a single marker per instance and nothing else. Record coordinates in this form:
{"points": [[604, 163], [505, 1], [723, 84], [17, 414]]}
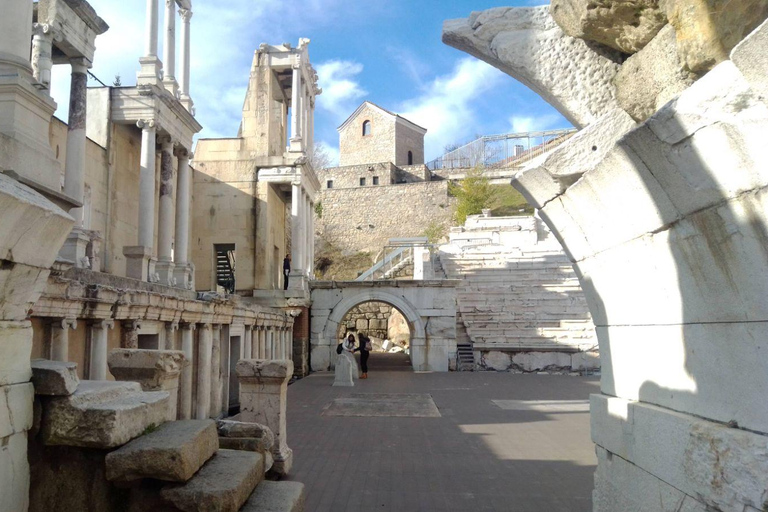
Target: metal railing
{"points": [[398, 253], [500, 151]]}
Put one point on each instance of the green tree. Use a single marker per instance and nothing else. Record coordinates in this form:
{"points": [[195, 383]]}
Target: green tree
{"points": [[473, 194], [435, 232]]}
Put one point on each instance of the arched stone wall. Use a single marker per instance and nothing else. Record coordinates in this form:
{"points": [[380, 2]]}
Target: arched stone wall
{"points": [[430, 311], [666, 225]]}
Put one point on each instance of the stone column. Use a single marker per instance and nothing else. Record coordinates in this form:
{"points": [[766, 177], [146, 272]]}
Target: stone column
{"points": [[262, 343], [268, 344], [99, 349], [154, 370], [296, 236], [138, 256], [263, 399], [150, 64], [296, 109], [74, 169], [170, 338], [215, 400], [169, 44], [130, 335], [311, 127], [166, 214], [60, 338], [307, 234], [186, 100], [188, 349], [204, 373], [182, 269], [248, 342], [42, 50]]}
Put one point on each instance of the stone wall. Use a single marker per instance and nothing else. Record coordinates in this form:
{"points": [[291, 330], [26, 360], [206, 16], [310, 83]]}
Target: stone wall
{"points": [[408, 139], [349, 176], [364, 219], [379, 321]]}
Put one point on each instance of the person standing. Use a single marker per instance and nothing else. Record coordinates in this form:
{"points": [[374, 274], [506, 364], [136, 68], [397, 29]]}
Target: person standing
{"points": [[286, 270], [365, 351]]}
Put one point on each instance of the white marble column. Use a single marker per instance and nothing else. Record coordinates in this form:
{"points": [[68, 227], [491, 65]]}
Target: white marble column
{"points": [[311, 247], [74, 169], [262, 333], [42, 50], [182, 269], [204, 372], [296, 109], [99, 349], [307, 234], [169, 343], [296, 235], [268, 353], [188, 347], [169, 47], [184, 94], [60, 338], [247, 347], [166, 214], [311, 127], [147, 183], [216, 372], [150, 64]]}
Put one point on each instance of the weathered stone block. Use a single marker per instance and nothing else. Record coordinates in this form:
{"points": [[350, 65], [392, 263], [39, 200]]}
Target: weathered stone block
{"points": [[751, 57], [20, 287], [254, 436], [708, 30], [535, 361], [15, 352], [16, 408], [565, 165], [723, 467], [626, 26], [174, 452], [527, 44], [585, 361], [55, 378], [277, 497], [496, 360], [441, 327], [652, 77], [14, 473], [102, 414], [33, 228], [223, 484]]}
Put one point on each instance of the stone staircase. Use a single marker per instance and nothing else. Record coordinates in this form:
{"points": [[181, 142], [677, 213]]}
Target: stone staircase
{"points": [[516, 301], [136, 459]]}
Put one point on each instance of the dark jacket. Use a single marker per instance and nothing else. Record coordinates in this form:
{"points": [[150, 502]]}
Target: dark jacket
{"points": [[286, 266], [363, 341]]}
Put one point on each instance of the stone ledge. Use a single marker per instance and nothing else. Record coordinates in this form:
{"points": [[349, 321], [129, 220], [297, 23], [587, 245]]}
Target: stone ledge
{"points": [[54, 378]]}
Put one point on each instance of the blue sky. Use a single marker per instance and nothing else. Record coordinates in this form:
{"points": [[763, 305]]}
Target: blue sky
{"points": [[387, 52]]}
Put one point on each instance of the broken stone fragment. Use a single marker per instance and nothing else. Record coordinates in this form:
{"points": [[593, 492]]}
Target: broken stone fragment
{"points": [[255, 434], [652, 77], [625, 25], [707, 30], [54, 378], [751, 57]]}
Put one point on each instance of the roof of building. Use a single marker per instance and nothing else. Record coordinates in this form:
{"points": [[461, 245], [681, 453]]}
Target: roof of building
{"points": [[397, 117]]}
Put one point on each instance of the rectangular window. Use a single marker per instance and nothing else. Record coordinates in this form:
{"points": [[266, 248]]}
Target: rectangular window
{"points": [[375, 180], [329, 184], [362, 182], [224, 264]]}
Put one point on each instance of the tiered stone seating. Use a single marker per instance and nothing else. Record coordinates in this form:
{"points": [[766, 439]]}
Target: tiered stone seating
{"points": [[513, 299]]}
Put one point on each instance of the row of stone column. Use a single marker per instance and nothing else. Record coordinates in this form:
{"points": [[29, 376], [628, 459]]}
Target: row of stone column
{"points": [[173, 217], [151, 65], [302, 232]]}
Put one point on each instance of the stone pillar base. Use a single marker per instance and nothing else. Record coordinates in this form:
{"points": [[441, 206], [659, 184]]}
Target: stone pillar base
{"points": [[297, 280], [165, 271], [154, 370], [185, 276], [150, 72], [137, 262], [296, 146], [263, 399], [83, 247], [172, 86]]}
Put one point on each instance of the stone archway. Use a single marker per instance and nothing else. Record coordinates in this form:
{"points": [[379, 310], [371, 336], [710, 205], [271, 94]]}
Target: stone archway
{"points": [[429, 311]]}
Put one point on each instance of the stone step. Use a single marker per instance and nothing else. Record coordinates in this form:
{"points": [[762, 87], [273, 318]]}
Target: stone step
{"points": [[276, 497], [174, 452], [223, 484], [102, 414]]}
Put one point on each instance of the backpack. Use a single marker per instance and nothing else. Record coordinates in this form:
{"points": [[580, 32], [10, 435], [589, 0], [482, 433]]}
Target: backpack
{"points": [[339, 348]]}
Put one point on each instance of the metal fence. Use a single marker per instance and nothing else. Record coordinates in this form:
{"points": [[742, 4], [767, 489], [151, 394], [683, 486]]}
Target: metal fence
{"points": [[498, 151]]}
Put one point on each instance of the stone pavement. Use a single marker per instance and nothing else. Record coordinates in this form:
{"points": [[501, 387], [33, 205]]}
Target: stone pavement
{"points": [[529, 451]]}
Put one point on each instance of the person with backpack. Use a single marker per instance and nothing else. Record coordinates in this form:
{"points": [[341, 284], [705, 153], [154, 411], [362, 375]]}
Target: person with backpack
{"points": [[364, 348]]}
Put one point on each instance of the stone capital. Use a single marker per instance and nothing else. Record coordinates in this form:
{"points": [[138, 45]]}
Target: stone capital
{"points": [[104, 324], [80, 64], [185, 14], [131, 325], [216, 327], [146, 123], [188, 326], [172, 326], [65, 323]]}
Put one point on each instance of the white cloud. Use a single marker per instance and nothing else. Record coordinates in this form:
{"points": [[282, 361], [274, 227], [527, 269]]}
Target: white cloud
{"points": [[341, 88], [446, 108], [521, 124]]}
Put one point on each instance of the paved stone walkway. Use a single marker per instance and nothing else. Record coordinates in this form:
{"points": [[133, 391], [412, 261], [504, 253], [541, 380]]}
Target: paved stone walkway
{"points": [[502, 442]]}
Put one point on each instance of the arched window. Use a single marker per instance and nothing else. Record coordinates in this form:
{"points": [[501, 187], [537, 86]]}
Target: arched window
{"points": [[410, 158], [366, 128]]}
